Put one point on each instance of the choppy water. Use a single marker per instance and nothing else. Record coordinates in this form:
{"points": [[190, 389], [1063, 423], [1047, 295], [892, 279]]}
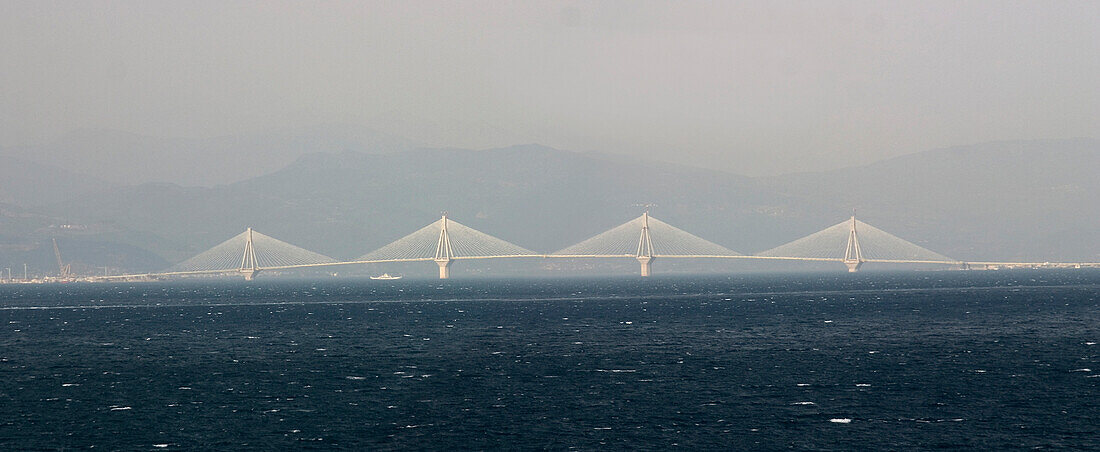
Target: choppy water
{"points": [[987, 360]]}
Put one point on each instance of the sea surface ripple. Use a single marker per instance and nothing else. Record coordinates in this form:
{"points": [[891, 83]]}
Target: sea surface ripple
{"points": [[989, 360]]}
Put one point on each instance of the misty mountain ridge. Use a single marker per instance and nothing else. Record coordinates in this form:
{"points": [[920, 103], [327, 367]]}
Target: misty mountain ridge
{"points": [[1021, 198], [1028, 200], [125, 158], [347, 203], [25, 183]]}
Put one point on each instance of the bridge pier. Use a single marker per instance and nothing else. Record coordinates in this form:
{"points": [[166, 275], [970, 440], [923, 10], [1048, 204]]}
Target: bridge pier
{"points": [[249, 273], [645, 262], [853, 265], [444, 267]]}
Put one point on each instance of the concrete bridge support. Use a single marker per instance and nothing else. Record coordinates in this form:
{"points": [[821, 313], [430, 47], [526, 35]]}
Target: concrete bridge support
{"points": [[444, 267], [646, 262]]}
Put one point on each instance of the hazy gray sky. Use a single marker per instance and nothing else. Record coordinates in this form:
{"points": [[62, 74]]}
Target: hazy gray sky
{"points": [[751, 87]]}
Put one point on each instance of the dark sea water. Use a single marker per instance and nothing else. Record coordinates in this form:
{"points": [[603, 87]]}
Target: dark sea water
{"points": [[979, 360]]}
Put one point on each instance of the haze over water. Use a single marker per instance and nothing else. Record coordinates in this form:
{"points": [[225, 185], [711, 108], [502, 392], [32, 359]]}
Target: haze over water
{"points": [[256, 138], [989, 360]]}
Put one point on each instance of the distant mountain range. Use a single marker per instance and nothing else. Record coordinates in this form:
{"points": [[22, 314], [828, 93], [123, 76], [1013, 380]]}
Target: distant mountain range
{"points": [[1036, 199], [1033, 200], [123, 158], [28, 183]]}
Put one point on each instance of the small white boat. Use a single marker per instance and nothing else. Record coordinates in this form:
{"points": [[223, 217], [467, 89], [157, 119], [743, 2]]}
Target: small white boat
{"points": [[385, 276]]}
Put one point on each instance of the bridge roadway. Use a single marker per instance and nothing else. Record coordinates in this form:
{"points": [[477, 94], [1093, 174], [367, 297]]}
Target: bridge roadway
{"points": [[862, 242], [964, 264]]}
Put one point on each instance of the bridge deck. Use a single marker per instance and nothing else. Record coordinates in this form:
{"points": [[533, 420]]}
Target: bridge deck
{"points": [[600, 256]]}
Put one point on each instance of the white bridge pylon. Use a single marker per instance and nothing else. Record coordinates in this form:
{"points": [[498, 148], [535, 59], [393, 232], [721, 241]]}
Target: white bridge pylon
{"points": [[646, 238], [854, 242], [445, 241], [248, 253]]}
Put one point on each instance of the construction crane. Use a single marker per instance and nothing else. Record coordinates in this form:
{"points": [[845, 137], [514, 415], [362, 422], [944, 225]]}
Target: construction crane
{"points": [[62, 268]]}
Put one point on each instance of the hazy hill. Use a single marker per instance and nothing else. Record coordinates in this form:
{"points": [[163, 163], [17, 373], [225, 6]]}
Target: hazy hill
{"points": [[26, 237], [127, 159], [345, 204], [25, 183], [1003, 200]]}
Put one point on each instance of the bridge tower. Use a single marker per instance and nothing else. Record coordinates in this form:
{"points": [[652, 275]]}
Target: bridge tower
{"points": [[853, 255], [249, 268], [444, 254], [644, 253]]}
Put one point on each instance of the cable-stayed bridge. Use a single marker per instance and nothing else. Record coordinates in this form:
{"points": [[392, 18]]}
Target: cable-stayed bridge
{"points": [[240, 253], [854, 242], [444, 242], [645, 239]]}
